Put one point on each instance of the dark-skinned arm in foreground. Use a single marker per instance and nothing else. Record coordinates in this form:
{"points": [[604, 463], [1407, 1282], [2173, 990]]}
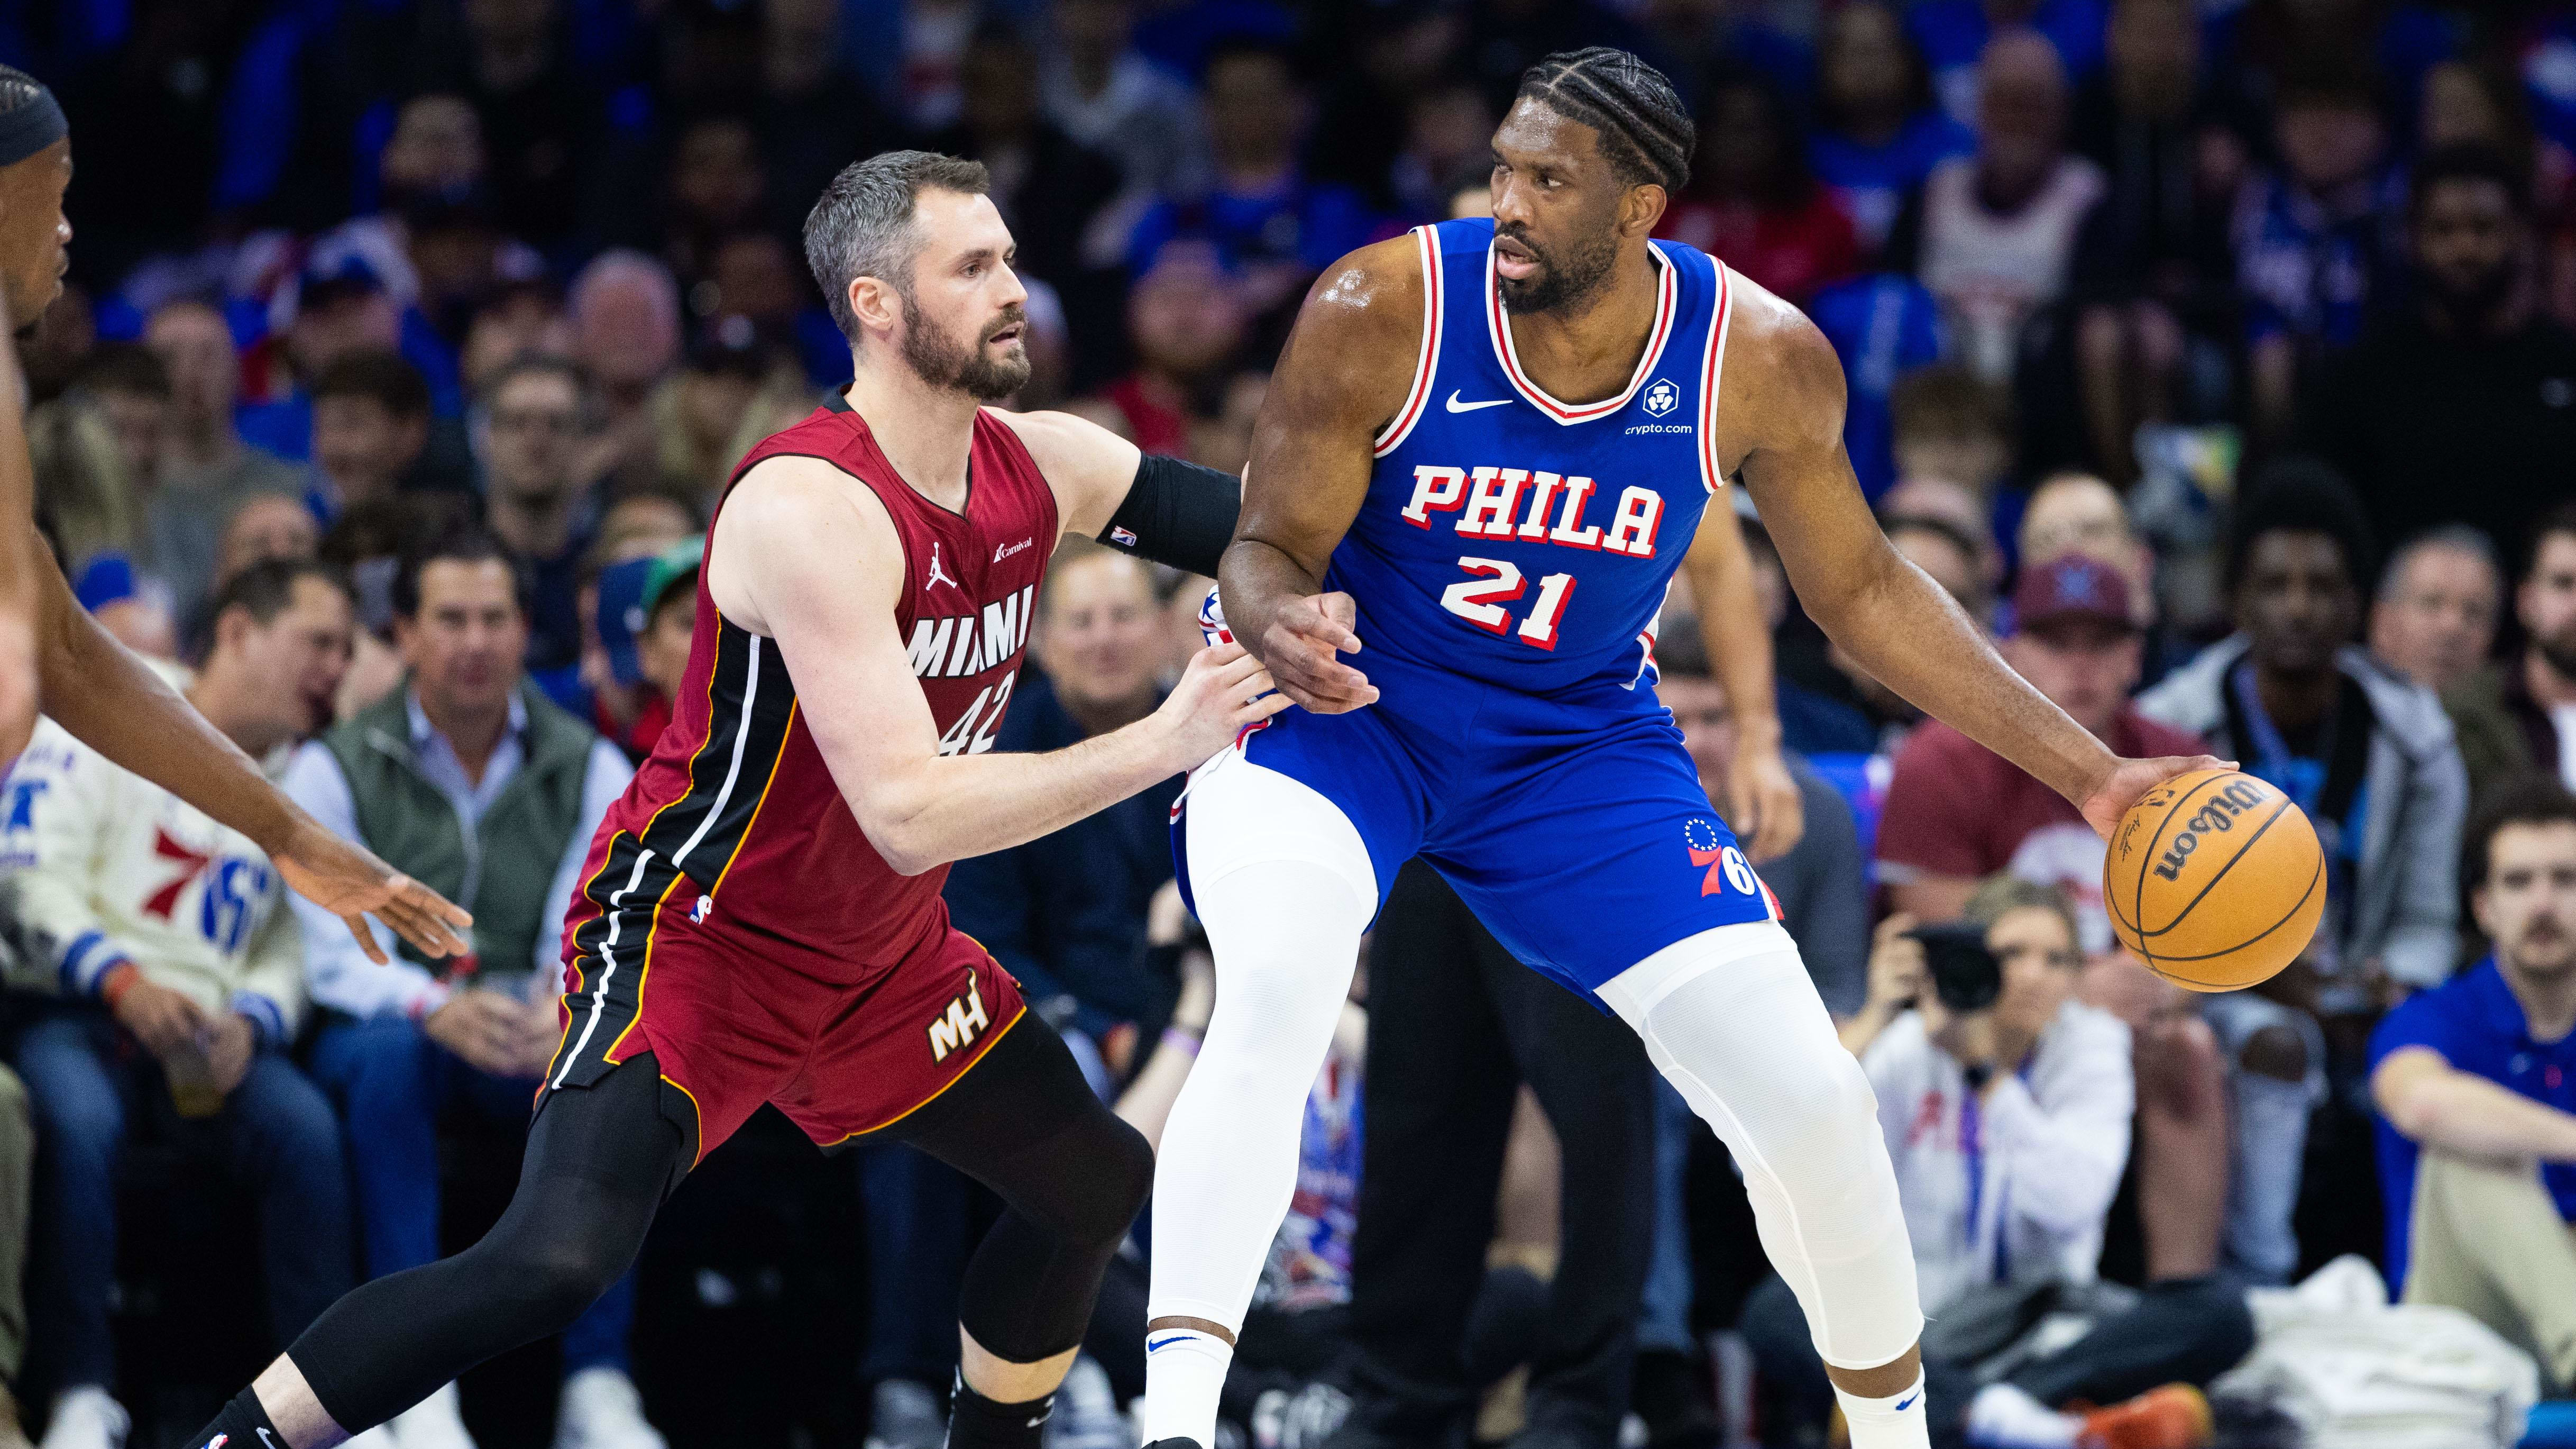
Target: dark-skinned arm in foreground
{"points": [[1342, 375], [1762, 805], [23, 559], [108, 699], [1781, 431]]}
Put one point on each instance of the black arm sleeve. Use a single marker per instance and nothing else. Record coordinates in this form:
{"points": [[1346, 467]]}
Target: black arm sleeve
{"points": [[1176, 513]]}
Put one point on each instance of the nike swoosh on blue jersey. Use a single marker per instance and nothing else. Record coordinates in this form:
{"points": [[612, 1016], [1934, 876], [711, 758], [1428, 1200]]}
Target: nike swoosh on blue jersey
{"points": [[1456, 406]]}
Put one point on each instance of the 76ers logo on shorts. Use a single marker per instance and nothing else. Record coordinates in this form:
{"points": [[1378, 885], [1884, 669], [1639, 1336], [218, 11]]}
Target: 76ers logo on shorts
{"points": [[1726, 864]]}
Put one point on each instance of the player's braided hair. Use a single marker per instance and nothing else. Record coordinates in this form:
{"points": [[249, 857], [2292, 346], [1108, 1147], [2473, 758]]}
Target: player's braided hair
{"points": [[18, 89], [1645, 130]]}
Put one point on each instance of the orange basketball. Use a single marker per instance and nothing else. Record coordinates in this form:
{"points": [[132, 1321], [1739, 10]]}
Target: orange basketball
{"points": [[2215, 880]]}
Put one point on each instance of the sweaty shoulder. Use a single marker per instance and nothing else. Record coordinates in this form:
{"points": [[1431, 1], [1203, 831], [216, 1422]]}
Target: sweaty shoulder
{"points": [[795, 523], [1783, 385], [1359, 333]]}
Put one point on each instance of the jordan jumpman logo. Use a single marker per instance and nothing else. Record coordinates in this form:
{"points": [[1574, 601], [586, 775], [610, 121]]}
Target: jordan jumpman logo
{"points": [[939, 575]]}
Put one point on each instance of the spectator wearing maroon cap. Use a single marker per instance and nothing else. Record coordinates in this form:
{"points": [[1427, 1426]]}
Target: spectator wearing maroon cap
{"points": [[1956, 812]]}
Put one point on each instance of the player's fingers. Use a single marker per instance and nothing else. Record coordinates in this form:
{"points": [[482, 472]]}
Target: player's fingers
{"points": [[1232, 674], [426, 934], [1217, 656], [1256, 710], [1316, 624], [421, 897], [357, 925]]}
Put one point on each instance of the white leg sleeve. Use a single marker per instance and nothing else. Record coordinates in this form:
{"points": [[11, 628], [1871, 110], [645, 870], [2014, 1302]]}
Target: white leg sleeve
{"points": [[1732, 1020], [1284, 887]]}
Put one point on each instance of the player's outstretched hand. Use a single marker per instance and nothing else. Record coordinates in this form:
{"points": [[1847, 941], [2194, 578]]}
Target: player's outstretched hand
{"points": [[1303, 645], [348, 881], [2132, 778], [1223, 692]]}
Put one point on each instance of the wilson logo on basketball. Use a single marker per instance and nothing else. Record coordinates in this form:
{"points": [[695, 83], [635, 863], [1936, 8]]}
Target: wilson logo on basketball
{"points": [[2218, 813]]}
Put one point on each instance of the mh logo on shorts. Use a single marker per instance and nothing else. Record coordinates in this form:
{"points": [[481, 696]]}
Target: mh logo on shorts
{"points": [[961, 1023], [1726, 864]]}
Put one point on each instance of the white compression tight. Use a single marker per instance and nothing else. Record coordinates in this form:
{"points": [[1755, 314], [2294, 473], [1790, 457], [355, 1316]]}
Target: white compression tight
{"points": [[1284, 886], [1732, 1020]]}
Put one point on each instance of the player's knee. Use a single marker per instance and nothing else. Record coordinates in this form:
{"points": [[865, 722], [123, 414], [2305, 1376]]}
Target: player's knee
{"points": [[2277, 1052], [553, 1276], [1126, 1183], [1823, 1099]]}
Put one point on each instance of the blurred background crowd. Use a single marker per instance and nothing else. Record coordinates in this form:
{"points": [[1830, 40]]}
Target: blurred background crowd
{"points": [[2215, 354]]}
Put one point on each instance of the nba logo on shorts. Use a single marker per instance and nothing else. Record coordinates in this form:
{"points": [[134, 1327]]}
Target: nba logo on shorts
{"points": [[1662, 398], [698, 912]]}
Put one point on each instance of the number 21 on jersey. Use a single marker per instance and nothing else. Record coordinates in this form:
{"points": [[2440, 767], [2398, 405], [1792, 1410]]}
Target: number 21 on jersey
{"points": [[1480, 600]]}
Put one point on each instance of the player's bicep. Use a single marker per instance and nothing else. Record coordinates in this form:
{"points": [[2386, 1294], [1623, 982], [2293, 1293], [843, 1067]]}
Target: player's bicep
{"points": [[1088, 467], [819, 566], [1786, 427], [1346, 371]]}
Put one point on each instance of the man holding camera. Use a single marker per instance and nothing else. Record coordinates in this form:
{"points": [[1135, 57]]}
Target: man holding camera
{"points": [[2006, 1104]]}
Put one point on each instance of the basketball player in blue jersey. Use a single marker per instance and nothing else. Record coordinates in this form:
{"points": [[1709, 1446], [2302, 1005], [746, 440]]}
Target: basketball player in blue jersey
{"points": [[1487, 448]]}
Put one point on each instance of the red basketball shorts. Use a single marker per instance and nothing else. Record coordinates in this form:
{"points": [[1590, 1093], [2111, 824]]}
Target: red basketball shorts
{"points": [[731, 1031]]}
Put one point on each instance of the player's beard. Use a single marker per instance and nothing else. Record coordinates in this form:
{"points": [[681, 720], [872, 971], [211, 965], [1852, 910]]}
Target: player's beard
{"points": [[937, 359], [1563, 283]]}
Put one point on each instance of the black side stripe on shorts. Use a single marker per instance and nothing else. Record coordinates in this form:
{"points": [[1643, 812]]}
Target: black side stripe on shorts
{"points": [[751, 703]]}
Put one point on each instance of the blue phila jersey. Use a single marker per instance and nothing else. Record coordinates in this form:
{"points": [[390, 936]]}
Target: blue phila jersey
{"points": [[1516, 539]]}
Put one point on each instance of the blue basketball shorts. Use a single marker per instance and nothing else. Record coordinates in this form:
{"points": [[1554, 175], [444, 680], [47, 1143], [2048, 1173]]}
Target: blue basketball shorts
{"points": [[1573, 824]]}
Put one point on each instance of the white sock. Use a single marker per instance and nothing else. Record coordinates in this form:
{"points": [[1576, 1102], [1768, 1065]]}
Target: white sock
{"points": [[1891, 1423], [2004, 1417], [1184, 1371]]}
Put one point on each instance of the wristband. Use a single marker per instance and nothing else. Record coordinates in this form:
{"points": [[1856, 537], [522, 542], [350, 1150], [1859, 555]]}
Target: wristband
{"points": [[121, 978], [1181, 1039]]}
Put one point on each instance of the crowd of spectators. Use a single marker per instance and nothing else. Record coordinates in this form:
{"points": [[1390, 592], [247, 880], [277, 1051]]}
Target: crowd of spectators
{"points": [[2217, 357]]}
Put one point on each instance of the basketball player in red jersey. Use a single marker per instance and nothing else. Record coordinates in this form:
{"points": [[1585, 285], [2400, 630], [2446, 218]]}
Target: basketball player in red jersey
{"points": [[761, 919]]}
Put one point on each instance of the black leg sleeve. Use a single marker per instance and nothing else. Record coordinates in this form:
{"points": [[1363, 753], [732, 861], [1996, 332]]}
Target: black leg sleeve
{"points": [[1024, 1123], [600, 1159], [1440, 1092], [1594, 1083]]}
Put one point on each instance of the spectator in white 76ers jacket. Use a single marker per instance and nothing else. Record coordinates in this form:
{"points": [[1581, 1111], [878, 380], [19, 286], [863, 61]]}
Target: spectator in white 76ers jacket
{"points": [[171, 973], [2008, 1128]]}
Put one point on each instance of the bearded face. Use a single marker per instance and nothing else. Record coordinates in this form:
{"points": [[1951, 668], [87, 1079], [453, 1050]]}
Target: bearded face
{"points": [[989, 368]]}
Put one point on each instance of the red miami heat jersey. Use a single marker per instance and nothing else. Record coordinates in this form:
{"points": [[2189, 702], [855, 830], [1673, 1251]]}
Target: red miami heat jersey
{"points": [[734, 832]]}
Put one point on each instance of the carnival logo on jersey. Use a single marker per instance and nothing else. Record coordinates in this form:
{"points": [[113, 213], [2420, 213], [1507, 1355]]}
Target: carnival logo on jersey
{"points": [[962, 645], [1662, 398], [1488, 502]]}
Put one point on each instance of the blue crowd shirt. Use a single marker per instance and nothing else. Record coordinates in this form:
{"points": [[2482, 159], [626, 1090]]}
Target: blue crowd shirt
{"points": [[2305, 272], [1880, 327], [1953, 34], [1873, 181], [2476, 1023], [1305, 221]]}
